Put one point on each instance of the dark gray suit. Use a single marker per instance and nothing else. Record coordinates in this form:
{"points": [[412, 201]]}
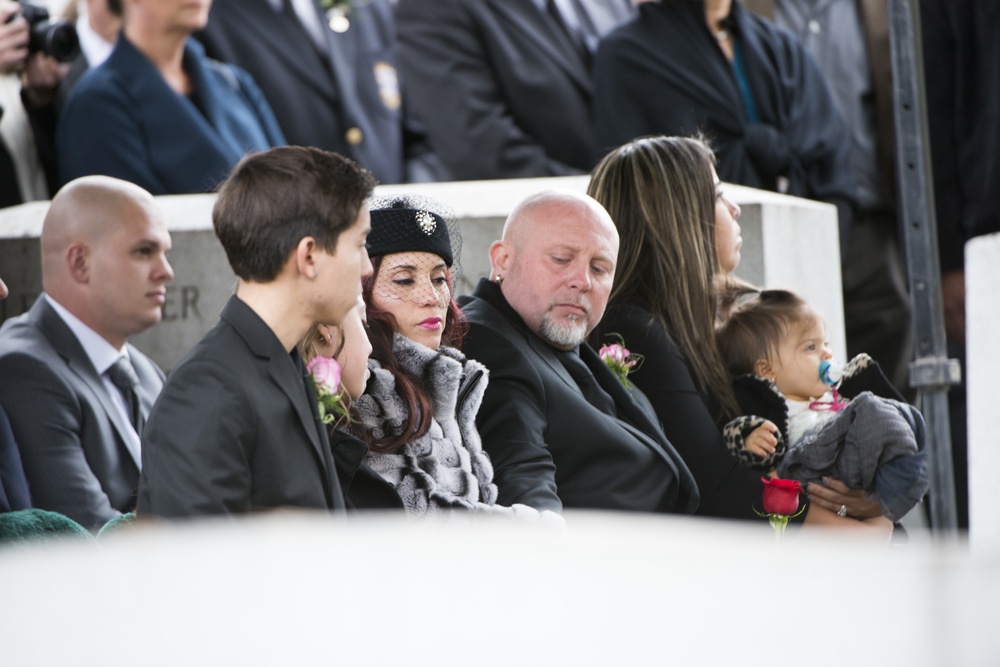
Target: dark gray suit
{"points": [[72, 436], [500, 87], [236, 429], [550, 447]]}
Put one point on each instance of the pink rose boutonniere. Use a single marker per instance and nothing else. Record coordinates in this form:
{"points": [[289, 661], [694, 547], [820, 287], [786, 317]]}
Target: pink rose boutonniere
{"points": [[325, 374], [618, 358], [781, 502]]}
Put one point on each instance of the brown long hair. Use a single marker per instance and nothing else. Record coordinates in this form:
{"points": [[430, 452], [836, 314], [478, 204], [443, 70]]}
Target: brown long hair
{"points": [[661, 195], [412, 389]]}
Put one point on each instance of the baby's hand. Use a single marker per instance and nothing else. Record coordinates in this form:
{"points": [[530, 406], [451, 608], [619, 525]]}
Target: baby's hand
{"points": [[763, 440]]}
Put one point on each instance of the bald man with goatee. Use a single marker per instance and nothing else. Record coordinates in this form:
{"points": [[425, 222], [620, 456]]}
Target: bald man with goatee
{"points": [[561, 429], [77, 394]]}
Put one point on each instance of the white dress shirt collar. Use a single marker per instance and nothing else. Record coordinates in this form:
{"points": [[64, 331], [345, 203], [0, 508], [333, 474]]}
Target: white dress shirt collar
{"points": [[101, 353], [94, 48], [308, 16]]}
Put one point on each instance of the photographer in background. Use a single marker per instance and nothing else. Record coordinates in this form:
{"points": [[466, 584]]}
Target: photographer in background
{"points": [[29, 80]]}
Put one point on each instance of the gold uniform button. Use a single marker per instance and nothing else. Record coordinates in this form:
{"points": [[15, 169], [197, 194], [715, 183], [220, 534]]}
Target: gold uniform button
{"points": [[338, 20], [354, 136]]}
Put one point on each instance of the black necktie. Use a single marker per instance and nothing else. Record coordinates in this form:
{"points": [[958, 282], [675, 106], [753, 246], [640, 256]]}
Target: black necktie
{"points": [[588, 384], [123, 376]]}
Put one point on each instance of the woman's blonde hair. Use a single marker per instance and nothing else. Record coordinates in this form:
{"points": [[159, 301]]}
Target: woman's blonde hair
{"points": [[310, 344], [661, 195], [309, 348]]}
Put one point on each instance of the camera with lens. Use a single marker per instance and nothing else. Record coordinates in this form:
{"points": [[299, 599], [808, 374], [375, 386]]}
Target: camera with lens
{"points": [[53, 38]]}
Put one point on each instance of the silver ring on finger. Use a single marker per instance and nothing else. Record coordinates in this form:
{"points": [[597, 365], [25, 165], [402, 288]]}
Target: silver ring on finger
{"points": [[842, 511]]}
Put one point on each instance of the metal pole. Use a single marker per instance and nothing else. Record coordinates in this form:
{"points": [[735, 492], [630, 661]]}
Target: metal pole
{"points": [[932, 373]]}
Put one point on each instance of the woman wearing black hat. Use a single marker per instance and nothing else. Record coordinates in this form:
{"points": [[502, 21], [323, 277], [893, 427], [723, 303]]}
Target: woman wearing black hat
{"points": [[418, 412]]}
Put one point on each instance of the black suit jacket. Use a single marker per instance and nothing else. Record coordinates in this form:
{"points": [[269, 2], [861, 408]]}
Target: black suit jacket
{"points": [[72, 437], [364, 489], [319, 95], [550, 447], [10, 191], [43, 129], [236, 429], [500, 87]]}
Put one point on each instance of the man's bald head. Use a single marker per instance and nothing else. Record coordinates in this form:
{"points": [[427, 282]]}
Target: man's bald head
{"points": [[104, 246], [554, 204], [556, 263], [84, 211]]}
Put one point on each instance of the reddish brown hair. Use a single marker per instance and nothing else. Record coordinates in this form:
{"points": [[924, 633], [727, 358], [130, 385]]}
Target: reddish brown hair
{"points": [[412, 389]]}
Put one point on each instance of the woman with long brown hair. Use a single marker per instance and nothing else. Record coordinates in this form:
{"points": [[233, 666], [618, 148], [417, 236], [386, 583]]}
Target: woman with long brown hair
{"points": [[680, 239]]}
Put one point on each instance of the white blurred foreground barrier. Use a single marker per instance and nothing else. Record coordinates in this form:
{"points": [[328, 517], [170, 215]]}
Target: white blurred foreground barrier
{"points": [[788, 242], [286, 589]]}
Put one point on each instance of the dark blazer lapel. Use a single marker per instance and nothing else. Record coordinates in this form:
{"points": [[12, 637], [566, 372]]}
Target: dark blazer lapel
{"points": [[644, 425], [283, 30], [491, 294], [631, 415], [283, 370], [287, 377], [611, 384], [335, 491], [342, 48], [68, 347], [548, 355], [211, 122], [547, 35]]}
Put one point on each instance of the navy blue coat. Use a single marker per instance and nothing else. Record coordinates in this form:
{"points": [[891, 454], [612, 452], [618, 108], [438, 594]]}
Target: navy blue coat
{"points": [[123, 120]]}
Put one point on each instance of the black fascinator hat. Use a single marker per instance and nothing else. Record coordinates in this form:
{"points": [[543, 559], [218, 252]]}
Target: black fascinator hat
{"points": [[410, 223]]}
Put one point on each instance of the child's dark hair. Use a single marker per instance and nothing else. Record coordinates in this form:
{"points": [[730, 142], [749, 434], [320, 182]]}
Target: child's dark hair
{"points": [[755, 329]]}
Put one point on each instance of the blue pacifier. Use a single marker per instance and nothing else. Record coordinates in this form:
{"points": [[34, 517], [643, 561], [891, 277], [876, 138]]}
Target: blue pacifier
{"points": [[830, 372]]}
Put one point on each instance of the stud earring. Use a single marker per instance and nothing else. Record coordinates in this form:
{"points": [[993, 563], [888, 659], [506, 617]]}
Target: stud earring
{"points": [[499, 279]]}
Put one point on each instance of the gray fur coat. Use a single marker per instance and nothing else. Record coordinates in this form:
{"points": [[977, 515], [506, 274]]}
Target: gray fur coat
{"points": [[446, 468]]}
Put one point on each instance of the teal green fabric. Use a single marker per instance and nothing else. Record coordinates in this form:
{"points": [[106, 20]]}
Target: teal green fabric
{"points": [[120, 524], [36, 524]]}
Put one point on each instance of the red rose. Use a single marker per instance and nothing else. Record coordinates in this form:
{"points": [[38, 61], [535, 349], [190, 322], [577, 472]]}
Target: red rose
{"points": [[781, 496]]}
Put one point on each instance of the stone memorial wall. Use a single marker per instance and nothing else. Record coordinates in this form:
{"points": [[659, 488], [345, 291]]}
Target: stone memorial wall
{"points": [[787, 242]]}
